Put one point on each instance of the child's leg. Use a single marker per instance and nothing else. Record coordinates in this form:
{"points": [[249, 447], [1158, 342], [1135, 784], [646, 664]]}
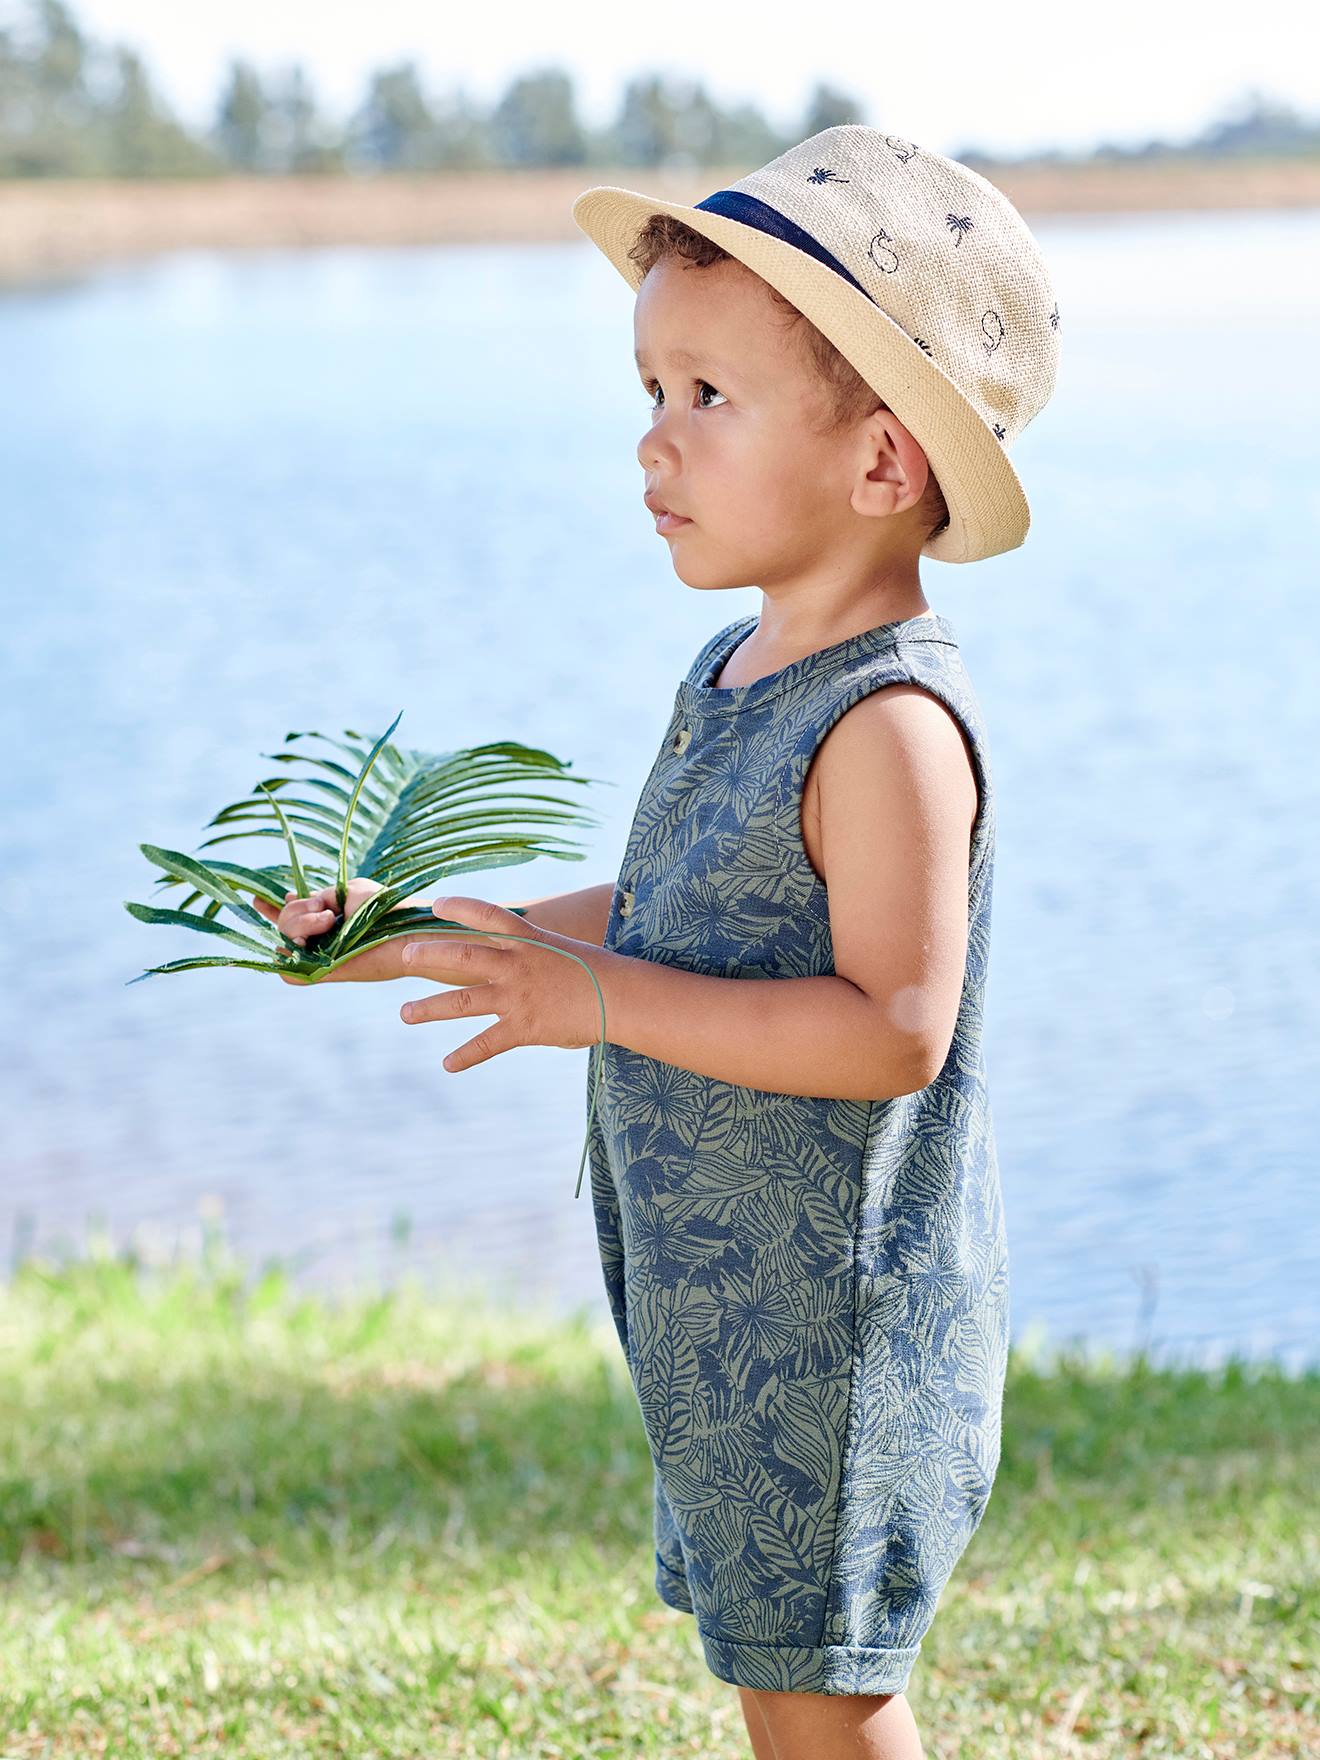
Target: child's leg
{"points": [[840, 1726], [762, 1747]]}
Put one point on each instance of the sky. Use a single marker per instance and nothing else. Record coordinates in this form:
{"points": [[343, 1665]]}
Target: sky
{"points": [[1007, 79]]}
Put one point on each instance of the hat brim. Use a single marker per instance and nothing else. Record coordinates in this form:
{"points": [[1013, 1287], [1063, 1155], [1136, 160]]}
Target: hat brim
{"points": [[988, 511]]}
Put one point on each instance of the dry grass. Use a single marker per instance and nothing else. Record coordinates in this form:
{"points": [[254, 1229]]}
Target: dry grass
{"points": [[53, 226]]}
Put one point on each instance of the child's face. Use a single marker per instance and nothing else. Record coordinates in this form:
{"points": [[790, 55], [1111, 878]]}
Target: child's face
{"points": [[734, 443]]}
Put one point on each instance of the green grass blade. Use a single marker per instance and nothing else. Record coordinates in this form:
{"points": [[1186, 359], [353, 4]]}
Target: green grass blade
{"points": [[342, 883], [148, 913], [184, 867], [268, 883], [299, 879], [189, 965]]}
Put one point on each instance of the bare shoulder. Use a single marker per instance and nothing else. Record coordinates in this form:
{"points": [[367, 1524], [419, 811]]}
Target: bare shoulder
{"points": [[909, 724], [899, 743], [895, 804]]}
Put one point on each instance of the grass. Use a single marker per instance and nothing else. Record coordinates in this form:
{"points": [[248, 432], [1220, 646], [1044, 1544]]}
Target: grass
{"points": [[238, 1518]]}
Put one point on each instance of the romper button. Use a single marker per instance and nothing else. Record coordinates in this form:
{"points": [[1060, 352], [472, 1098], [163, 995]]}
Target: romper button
{"points": [[681, 739], [626, 904]]}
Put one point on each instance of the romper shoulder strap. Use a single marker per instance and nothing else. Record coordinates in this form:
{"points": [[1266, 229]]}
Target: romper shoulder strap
{"points": [[712, 646]]}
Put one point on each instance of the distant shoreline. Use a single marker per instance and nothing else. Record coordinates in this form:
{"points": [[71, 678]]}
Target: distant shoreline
{"points": [[51, 228]]}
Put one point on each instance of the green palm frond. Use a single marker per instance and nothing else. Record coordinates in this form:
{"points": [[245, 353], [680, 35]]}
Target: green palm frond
{"points": [[406, 819]]}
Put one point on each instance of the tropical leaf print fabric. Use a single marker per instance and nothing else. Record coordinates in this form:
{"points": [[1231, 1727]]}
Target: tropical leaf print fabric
{"points": [[811, 1293]]}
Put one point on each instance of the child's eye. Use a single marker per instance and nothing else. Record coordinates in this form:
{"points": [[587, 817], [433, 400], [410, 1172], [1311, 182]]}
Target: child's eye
{"points": [[653, 387]]}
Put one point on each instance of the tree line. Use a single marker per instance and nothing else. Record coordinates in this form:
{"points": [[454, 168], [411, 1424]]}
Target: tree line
{"points": [[73, 107]]}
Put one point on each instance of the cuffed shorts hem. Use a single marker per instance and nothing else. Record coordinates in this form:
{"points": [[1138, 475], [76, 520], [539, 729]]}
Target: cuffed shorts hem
{"points": [[789, 1668]]}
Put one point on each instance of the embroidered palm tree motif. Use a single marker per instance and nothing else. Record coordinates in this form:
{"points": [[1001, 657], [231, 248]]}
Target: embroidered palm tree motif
{"points": [[999, 431], [960, 224], [922, 343], [1054, 316], [992, 325], [884, 259], [902, 150], [823, 174]]}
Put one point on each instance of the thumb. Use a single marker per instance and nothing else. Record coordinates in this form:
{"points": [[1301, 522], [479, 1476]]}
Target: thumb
{"points": [[481, 913]]}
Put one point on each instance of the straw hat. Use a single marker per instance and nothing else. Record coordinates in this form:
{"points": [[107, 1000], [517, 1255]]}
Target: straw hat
{"points": [[920, 272]]}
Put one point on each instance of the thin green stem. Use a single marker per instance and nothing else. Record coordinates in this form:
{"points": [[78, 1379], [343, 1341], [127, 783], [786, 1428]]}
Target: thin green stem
{"points": [[299, 879], [341, 879], [535, 941]]}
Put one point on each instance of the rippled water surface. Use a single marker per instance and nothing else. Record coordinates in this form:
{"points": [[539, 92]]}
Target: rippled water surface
{"points": [[241, 495]]}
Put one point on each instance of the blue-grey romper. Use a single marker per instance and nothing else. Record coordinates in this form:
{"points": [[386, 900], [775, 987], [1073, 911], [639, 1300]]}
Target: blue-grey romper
{"points": [[811, 1293]]}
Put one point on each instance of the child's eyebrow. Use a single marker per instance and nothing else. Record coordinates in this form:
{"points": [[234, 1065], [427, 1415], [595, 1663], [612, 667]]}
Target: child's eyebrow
{"points": [[684, 357]]}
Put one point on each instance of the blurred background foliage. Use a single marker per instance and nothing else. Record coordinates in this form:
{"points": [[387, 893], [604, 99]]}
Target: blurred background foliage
{"points": [[71, 106]]}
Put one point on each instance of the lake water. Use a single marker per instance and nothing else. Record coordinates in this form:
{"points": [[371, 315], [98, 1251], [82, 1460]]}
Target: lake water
{"points": [[241, 495]]}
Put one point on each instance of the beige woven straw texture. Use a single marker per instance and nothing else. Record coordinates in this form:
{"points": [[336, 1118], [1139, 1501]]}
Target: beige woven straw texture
{"points": [[959, 334]]}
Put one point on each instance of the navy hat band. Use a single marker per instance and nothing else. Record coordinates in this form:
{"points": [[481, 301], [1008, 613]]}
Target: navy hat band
{"points": [[751, 212]]}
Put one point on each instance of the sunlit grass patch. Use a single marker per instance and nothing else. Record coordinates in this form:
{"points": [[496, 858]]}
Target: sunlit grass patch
{"points": [[237, 1517]]}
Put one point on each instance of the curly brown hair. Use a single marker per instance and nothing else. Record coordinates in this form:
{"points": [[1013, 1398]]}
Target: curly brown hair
{"points": [[848, 396]]}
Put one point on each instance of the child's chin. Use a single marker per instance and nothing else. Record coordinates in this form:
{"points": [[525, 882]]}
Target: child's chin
{"points": [[701, 580], [711, 583], [702, 574]]}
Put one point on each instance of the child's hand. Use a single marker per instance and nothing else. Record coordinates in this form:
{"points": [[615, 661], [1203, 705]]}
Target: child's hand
{"points": [[302, 918], [541, 997]]}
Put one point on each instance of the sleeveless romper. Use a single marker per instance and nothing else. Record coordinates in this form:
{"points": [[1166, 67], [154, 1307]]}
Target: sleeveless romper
{"points": [[812, 1294]]}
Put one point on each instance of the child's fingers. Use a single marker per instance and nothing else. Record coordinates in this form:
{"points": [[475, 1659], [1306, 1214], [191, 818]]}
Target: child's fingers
{"points": [[297, 915], [311, 923]]}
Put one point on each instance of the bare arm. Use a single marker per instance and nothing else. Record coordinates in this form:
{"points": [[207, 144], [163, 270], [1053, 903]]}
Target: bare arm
{"points": [[582, 914]]}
